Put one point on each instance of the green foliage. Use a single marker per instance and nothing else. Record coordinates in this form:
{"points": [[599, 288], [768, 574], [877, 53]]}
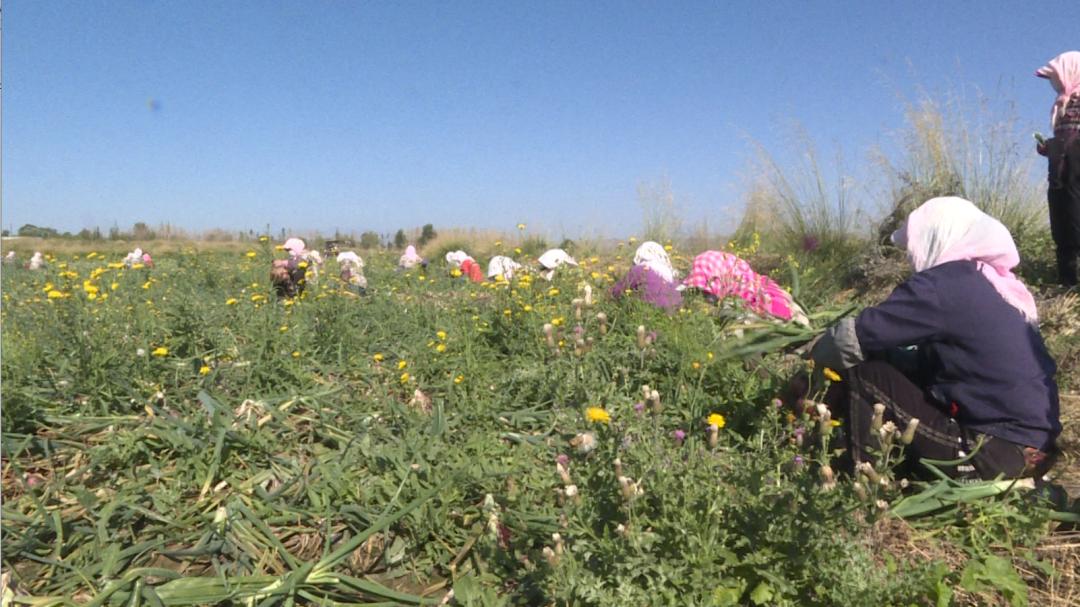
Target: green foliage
{"points": [[180, 435]]}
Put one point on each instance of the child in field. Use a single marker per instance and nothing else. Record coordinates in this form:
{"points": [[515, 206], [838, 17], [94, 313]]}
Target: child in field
{"points": [[352, 272], [503, 266], [551, 260], [1063, 154], [36, 261], [721, 275], [652, 278], [983, 381]]}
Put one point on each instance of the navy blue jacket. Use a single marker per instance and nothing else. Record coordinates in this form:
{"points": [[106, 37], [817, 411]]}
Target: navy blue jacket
{"points": [[977, 352]]}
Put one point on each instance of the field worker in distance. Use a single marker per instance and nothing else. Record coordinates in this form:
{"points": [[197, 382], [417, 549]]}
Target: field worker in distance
{"points": [[410, 259], [133, 257], [288, 275], [36, 261], [460, 260], [10, 257], [652, 278], [1063, 153], [503, 266], [551, 260], [352, 272], [721, 275], [147, 260], [980, 381]]}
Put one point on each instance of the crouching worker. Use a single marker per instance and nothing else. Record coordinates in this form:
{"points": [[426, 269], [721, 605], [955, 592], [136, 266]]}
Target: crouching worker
{"points": [[352, 272], [721, 275], [287, 276], [652, 278], [466, 265], [982, 383]]}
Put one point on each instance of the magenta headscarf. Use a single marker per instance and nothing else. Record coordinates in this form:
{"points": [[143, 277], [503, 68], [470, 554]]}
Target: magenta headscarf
{"points": [[723, 275], [953, 229], [1063, 72]]}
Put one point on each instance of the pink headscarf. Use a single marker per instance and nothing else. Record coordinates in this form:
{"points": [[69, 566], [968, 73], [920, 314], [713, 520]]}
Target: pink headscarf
{"points": [[1063, 72], [295, 247], [724, 275], [953, 229]]}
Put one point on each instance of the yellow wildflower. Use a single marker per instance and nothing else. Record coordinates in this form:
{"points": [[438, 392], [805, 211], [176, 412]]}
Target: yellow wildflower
{"points": [[204, 370], [160, 352], [229, 302], [440, 348], [401, 364], [521, 226], [459, 379], [597, 414], [54, 294], [830, 374], [250, 254], [296, 354], [378, 357], [716, 420], [404, 378]]}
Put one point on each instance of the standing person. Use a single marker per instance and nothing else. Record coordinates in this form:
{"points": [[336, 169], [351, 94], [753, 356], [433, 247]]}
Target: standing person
{"points": [[1063, 154], [982, 383]]}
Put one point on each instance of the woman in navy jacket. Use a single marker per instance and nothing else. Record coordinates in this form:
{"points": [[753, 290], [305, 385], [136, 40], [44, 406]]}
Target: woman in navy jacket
{"points": [[983, 380]]}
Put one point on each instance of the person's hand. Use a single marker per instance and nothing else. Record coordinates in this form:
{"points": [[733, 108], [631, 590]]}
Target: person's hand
{"points": [[1041, 148]]}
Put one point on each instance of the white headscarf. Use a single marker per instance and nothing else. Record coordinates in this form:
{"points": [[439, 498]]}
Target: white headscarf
{"points": [[456, 258], [36, 261], [653, 256], [351, 259], [501, 265], [951, 229]]}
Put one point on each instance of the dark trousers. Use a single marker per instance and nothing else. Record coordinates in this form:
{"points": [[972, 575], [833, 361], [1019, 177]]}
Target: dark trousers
{"points": [[938, 436], [1063, 196]]}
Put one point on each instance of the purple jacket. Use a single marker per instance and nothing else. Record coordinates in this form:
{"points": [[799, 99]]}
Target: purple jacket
{"points": [[650, 286]]}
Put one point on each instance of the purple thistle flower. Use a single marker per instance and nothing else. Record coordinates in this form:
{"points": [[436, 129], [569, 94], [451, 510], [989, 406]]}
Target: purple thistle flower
{"points": [[639, 407], [679, 436], [562, 458]]}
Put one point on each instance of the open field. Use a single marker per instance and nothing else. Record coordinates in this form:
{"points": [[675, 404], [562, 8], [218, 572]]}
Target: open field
{"points": [[178, 436]]}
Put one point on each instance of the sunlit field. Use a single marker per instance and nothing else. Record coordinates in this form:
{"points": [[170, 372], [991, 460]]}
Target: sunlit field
{"points": [[178, 435]]}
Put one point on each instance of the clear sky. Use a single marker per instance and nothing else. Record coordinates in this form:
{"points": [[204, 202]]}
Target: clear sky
{"points": [[379, 115]]}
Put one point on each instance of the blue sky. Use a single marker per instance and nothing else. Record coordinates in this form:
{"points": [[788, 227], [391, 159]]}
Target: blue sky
{"points": [[379, 115]]}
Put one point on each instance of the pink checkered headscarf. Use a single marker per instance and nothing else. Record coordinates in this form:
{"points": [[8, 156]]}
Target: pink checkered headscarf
{"points": [[726, 275]]}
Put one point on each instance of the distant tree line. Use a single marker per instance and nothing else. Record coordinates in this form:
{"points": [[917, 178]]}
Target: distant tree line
{"points": [[141, 231]]}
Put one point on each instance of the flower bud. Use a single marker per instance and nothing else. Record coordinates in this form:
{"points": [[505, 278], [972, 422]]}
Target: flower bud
{"points": [[577, 303], [909, 431], [641, 343], [879, 417], [885, 435], [557, 538], [860, 491], [584, 442], [828, 478], [654, 398], [564, 474], [714, 434], [867, 470], [618, 467], [549, 334], [550, 556], [588, 295], [602, 319]]}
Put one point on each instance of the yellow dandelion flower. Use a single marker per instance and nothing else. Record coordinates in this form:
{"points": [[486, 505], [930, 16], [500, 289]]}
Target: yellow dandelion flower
{"points": [[401, 364], [440, 348], [695, 365], [459, 379], [527, 308], [716, 420], [521, 226], [229, 302], [378, 357], [404, 378], [250, 254], [54, 294], [597, 415], [456, 273], [552, 292], [204, 370], [296, 353], [160, 352], [830, 374], [517, 250]]}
